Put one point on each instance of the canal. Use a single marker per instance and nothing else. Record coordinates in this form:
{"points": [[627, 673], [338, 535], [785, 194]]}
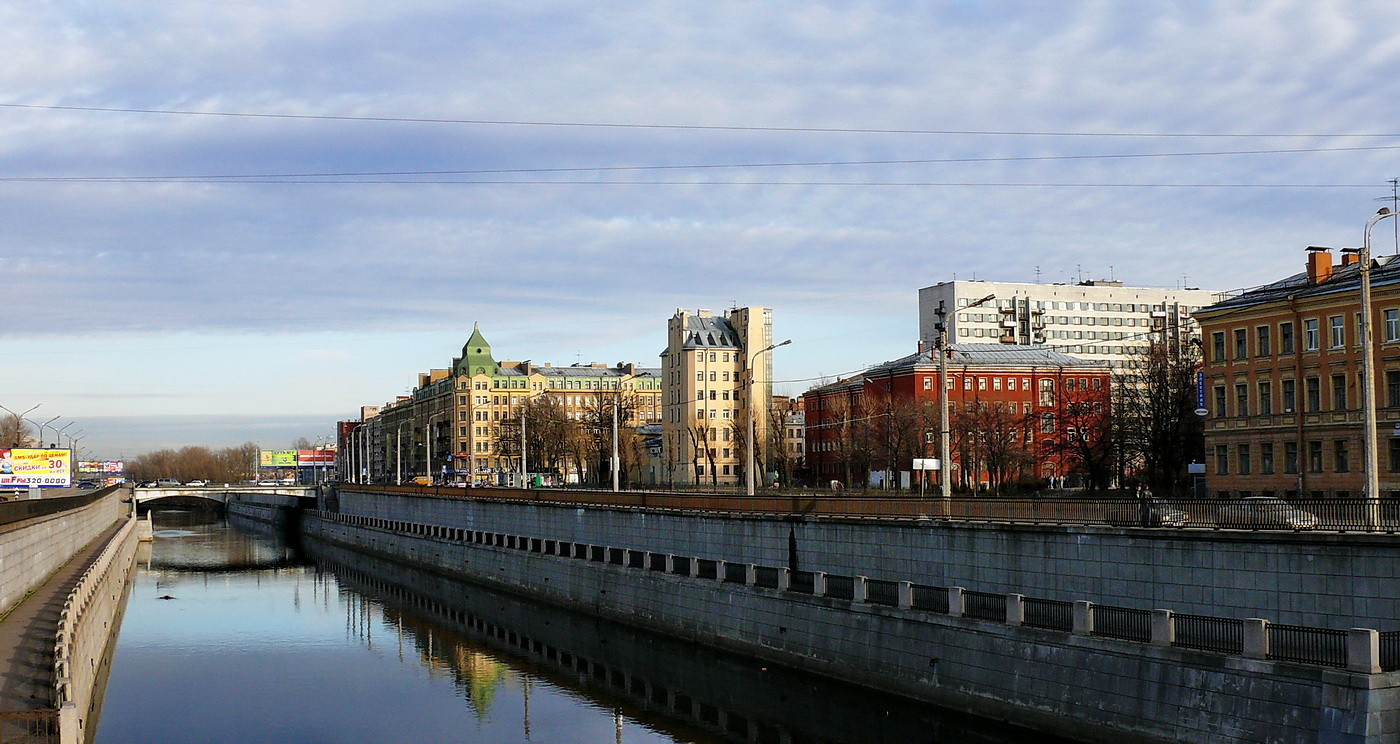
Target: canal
{"points": [[235, 634]]}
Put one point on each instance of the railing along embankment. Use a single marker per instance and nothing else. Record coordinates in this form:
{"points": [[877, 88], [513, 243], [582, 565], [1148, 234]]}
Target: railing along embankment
{"points": [[85, 628]]}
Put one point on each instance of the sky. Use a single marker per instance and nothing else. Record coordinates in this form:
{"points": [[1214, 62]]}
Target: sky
{"points": [[229, 222]]}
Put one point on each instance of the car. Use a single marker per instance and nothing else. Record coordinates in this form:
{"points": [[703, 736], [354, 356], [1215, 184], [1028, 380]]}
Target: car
{"points": [[1152, 514], [167, 483], [197, 483], [147, 484], [267, 482], [87, 484], [1255, 512]]}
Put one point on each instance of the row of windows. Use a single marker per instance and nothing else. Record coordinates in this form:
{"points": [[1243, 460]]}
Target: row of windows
{"points": [[1103, 307], [1321, 457], [1239, 340], [1263, 400]]}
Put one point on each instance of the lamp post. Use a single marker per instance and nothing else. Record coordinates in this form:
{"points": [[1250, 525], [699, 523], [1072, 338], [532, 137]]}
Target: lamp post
{"points": [[1368, 374], [753, 444], [59, 432], [21, 417], [944, 436], [41, 429], [428, 435]]}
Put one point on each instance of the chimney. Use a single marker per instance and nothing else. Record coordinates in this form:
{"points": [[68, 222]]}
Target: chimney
{"points": [[921, 346], [1351, 256], [1319, 264]]}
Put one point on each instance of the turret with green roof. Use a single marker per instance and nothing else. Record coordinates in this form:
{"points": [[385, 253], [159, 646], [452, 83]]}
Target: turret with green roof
{"points": [[476, 356]]}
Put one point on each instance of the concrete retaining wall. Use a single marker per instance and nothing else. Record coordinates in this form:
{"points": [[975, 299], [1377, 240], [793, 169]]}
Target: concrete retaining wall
{"points": [[1332, 581], [31, 550], [1093, 688]]}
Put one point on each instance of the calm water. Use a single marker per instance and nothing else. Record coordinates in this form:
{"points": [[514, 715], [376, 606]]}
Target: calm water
{"points": [[233, 636]]}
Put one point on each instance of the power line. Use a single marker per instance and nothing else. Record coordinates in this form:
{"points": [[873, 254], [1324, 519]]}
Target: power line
{"points": [[695, 127], [921, 184]]}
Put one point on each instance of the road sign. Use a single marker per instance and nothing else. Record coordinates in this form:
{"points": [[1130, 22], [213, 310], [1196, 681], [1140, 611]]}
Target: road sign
{"points": [[926, 463], [1202, 412]]}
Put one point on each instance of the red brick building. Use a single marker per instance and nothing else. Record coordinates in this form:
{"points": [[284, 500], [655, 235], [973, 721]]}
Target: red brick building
{"points": [[1283, 382], [1014, 412]]}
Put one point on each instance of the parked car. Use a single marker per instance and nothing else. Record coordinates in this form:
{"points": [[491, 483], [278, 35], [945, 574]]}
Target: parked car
{"points": [[1152, 514], [1254, 512], [198, 483], [147, 484], [167, 483]]}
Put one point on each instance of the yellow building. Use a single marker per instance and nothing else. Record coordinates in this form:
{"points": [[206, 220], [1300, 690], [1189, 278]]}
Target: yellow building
{"points": [[711, 383], [465, 422]]}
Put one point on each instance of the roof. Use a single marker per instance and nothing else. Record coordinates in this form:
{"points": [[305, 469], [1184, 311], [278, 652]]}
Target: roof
{"points": [[990, 356], [1384, 270], [581, 370], [704, 332]]}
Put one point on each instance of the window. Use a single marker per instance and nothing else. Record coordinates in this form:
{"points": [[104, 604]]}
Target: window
{"points": [[1338, 333], [1395, 455], [1220, 400], [1241, 343], [1261, 341], [1241, 399], [1340, 457], [1290, 457], [1047, 423], [928, 383], [996, 383], [1222, 459], [1339, 392], [1266, 398], [1310, 337], [1245, 465], [1392, 388], [1313, 388], [1290, 396], [1285, 338], [1266, 458], [1218, 345], [1392, 325], [1315, 456]]}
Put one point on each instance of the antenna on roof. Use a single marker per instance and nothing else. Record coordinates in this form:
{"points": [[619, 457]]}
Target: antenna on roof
{"points": [[1037, 275], [1394, 200]]}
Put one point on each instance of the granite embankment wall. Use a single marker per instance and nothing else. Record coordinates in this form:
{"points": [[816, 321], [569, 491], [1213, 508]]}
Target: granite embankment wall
{"points": [[39, 536], [1321, 580], [1085, 686]]}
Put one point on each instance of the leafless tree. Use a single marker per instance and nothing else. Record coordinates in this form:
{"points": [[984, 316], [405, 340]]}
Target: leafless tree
{"points": [[1156, 412], [1087, 440], [14, 432]]}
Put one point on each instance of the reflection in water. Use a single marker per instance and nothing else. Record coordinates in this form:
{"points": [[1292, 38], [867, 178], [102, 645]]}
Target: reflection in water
{"points": [[256, 643]]}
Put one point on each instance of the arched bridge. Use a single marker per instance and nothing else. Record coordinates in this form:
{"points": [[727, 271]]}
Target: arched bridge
{"points": [[217, 494]]}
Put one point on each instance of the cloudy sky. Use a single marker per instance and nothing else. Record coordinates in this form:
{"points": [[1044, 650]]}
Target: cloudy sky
{"points": [[261, 215]]}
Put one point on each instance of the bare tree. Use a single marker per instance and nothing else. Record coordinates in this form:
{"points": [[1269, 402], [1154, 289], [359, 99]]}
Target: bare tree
{"points": [[1088, 440], [993, 439], [14, 432], [1156, 412]]}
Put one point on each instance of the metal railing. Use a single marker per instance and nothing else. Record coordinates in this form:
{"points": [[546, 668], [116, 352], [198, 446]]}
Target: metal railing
{"points": [[1321, 646], [984, 605], [1053, 614], [29, 727], [1220, 634], [1112, 509], [1123, 623], [1281, 642]]}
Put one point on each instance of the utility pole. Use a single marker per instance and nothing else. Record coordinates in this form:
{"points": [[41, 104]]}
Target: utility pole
{"points": [[944, 435], [524, 471], [614, 445]]}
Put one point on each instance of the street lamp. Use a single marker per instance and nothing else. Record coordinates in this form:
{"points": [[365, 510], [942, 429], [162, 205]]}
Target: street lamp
{"points": [[41, 429], [753, 444], [59, 432], [944, 439], [1368, 373], [21, 417]]}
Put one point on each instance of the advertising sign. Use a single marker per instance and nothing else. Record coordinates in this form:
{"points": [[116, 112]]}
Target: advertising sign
{"points": [[316, 458], [36, 467], [104, 466], [277, 458]]}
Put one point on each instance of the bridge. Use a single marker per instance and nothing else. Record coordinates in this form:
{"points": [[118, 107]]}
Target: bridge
{"points": [[217, 494]]}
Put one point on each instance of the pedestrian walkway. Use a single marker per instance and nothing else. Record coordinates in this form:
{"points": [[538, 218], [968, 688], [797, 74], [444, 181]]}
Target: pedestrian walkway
{"points": [[27, 634]]}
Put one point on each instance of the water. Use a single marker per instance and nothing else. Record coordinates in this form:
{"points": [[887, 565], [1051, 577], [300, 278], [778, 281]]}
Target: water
{"points": [[233, 636]]}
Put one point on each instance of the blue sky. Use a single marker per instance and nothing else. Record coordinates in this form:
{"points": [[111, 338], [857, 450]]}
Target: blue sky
{"points": [[240, 283]]}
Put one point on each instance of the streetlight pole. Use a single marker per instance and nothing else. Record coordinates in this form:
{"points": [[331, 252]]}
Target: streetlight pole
{"points": [[944, 435], [613, 465], [21, 417], [753, 444], [41, 429], [1368, 374]]}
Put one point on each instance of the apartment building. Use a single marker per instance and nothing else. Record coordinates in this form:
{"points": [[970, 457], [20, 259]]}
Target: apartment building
{"points": [[1102, 321], [714, 375], [1011, 408], [465, 419], [1282, 382]]}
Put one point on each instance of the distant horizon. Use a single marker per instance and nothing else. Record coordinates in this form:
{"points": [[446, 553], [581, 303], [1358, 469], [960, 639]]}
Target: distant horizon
{"points": [[127, 437]]}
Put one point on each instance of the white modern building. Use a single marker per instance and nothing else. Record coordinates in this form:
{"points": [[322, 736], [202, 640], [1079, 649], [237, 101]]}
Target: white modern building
{"points": [[1092, 320]]}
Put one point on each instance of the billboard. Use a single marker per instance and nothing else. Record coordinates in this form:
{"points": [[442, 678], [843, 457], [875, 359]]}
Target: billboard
{"points": [[316, 458], [104, 466], [277, 458], [36, 467]]}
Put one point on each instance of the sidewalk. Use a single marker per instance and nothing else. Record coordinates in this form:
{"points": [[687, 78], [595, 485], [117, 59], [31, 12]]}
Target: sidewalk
{"points": [[27, 634]]}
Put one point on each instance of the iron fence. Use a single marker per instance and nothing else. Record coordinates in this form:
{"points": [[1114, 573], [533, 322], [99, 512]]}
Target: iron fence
{"points": [[1390, 650], [736, 573], [765, 576], [984, 605], [683, 566], [840, 587], [29, 727], [1221, 634], [803, 582], [1053, 614], [1123, 623], [1321, 646], [706, 569], [657, 561], [930, 598], [878, 591]]}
